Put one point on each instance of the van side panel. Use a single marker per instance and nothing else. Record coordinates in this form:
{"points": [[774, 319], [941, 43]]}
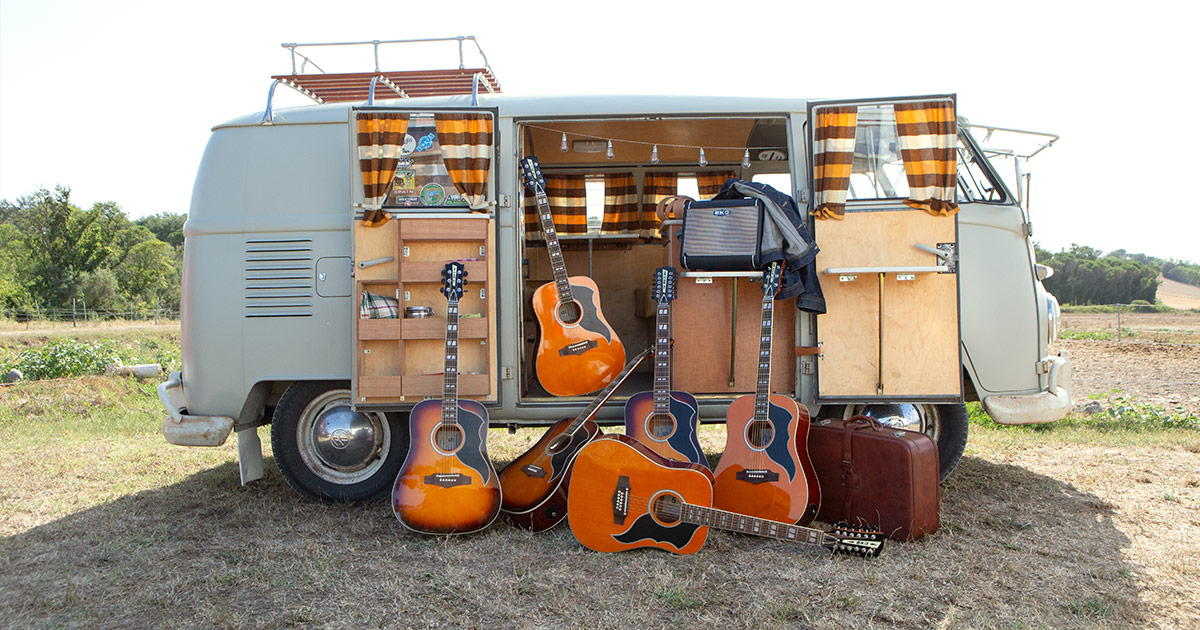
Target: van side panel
{"points": [[269, 203], [999, 307]]}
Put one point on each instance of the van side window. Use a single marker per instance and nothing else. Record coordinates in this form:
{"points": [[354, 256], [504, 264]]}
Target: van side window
{"points": [[878, 171], [422, 179]]}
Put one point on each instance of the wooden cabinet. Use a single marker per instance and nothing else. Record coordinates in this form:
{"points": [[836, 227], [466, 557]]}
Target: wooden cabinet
{"points": [[399, 361]]}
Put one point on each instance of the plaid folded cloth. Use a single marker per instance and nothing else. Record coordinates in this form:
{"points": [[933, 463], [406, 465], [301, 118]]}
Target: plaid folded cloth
{"points": [[375, 306]]}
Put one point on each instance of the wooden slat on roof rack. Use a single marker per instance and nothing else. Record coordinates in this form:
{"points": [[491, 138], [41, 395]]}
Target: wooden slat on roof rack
{"points": [[335, 88]]}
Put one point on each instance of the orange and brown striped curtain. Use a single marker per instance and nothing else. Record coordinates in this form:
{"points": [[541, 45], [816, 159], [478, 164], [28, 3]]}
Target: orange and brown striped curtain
{"points": [[833, 159], [620, 203], [380, 137], [927, 133], [466, 141], [567, 197], [709, 184], [655, 188]]}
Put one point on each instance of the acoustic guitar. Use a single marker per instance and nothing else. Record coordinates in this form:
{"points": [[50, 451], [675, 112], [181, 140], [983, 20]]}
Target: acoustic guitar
{"points": [[765, 470], [535, 483], [578, 351], [662, 419], [447, 484], [625, 496]]}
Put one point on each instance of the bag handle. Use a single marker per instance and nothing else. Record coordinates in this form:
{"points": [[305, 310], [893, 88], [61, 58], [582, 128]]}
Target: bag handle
{"points": [[672, 207]]}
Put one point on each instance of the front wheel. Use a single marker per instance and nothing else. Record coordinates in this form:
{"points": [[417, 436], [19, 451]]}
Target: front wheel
{"points": [[329, 453], [946, 424]]}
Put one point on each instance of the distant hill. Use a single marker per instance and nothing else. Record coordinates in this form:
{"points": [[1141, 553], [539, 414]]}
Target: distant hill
{"points": [[1177, 294]]}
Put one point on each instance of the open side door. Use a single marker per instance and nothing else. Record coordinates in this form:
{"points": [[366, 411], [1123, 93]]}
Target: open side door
{"points": [[424, 196], [884, 201]]}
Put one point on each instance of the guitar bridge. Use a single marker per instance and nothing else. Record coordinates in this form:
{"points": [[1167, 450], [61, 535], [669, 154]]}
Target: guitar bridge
{"points": [[578, 347], [447, 480], [620, 500], [757, 476], [533, 470]]}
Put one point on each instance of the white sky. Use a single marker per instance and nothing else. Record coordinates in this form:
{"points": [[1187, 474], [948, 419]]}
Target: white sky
{"points": [[115, 99]]}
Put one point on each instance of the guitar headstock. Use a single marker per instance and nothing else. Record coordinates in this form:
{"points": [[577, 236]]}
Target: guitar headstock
{"points": [[771, 278], [454, 278], [531, 172], [664, 284], [863, 542]]}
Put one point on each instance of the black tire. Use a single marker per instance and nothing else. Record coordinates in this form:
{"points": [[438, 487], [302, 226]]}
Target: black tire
{"points": [[946, 424], [951, 437], [307, 457]]}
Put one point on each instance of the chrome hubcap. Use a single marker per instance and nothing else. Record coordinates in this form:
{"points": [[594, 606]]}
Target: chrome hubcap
{"points": [[920, 418], [340, 445]]}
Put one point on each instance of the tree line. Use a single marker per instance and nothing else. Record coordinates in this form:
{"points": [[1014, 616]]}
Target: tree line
{"points": [[53, 252], [1086, 275]]}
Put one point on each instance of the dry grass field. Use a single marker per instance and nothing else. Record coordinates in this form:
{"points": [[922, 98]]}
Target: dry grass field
{"points": [[1081, 524]]}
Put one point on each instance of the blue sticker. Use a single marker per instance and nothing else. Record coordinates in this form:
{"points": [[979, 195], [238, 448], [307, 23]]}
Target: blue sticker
{"points": [[425, 142]]}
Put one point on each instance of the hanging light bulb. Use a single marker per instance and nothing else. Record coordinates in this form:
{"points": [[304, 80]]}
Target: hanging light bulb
{"points": [[746, 159], [703, 160], [608, 152], [654, 155], [563, 145]]}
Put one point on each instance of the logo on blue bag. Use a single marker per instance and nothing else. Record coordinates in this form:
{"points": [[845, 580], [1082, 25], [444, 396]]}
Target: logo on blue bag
{"points": [[723, 212]]}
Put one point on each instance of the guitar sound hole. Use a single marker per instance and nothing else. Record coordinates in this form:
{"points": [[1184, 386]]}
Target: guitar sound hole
{"points": [[666, 508], [559, 443], [660, 427], [569, 312], [448, 437], [759, 433]]}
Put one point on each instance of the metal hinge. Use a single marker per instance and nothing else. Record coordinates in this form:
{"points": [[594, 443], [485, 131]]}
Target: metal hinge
{"points": [[949, 257], [1027, 229], [1043, 366]]}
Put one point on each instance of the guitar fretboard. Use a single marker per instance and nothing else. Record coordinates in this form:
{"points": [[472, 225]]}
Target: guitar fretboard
{"points": [[720, 519], [762, 392], [662, 359], [607, 393], [450, 367], [556, 256]]}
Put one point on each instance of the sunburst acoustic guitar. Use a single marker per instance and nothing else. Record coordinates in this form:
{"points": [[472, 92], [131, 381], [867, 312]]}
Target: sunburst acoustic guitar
{"points": [[625, 496], [535, 483], [662, 419], [765, 470], [578, 352], [447, 484]]}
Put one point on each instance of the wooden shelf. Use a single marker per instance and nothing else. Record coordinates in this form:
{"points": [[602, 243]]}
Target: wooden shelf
{"points": [[431, 271], [431, 385], [371, 329], [435, 328]]}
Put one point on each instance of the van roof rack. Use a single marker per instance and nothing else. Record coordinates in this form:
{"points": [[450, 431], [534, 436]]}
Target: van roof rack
{"points": [[379, 84]]}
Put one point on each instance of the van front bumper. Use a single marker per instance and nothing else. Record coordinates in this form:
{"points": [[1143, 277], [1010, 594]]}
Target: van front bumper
{"points": [[182, 429], [1045, 406]]}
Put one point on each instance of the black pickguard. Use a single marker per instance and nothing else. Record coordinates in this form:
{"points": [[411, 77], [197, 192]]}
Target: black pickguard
{"points": [[684, 440], [589, 318], [559, 461], [777, 450], [646, 528], [473, 453]]}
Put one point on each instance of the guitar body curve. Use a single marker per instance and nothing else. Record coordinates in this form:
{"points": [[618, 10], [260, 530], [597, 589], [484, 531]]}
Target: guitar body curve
{"points": [[772, 481], [616, 480], [443, 492], [682, 443], [579, 357], [535, 483]]}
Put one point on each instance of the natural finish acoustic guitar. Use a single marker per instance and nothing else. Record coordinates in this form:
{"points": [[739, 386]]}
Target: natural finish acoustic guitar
{"points": [[765, 470], [447, 484], [578, 352], [535, 483], [662, 419], [625, 496]]}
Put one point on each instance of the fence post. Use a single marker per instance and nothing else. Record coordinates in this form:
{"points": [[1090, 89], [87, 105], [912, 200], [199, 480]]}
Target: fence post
{"points": [[74, 324], [1118, 323], [156, 311]]}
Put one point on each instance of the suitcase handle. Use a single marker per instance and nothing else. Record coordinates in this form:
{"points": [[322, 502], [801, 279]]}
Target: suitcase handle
{"points": [[861, 422]]}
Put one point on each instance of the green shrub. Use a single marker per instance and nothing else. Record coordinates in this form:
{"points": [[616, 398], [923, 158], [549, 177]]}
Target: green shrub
{"points": [[63, 357]]}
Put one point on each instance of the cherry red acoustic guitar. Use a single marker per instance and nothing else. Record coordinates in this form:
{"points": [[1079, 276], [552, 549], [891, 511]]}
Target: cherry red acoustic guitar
{"points": [[447, 484], [578, 352], [535, 483], [765, 470], [625, 496], [662, 419]]}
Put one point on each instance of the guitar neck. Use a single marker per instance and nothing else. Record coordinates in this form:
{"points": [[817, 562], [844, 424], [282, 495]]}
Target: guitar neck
{"points": [[662, 360], [762, 393], [607, 393], [720, 519], [450, 367], [556, 256]]}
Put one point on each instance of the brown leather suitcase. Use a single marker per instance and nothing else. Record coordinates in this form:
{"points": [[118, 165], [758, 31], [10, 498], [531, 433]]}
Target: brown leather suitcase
{"points": [[876, 475]]}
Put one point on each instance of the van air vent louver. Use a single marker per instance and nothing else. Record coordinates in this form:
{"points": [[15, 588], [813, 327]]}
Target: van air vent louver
{"points": [[279, 278]]}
